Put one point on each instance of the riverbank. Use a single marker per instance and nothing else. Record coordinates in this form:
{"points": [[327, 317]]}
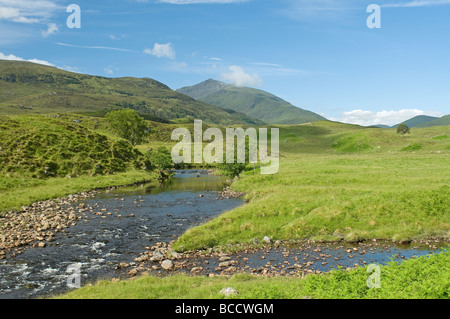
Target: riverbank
{"points": [[18, 192], [421, 278], [105, 228], [395, 197], [272, 259], [36, 224]]}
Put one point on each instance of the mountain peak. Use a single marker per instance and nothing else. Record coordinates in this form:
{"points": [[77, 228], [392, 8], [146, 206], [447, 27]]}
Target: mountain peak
{"points": [[202, 89], [253, 102]]}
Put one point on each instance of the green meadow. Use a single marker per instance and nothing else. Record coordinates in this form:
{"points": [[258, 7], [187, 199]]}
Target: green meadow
{"points": [[341, 182], [336, 182]]}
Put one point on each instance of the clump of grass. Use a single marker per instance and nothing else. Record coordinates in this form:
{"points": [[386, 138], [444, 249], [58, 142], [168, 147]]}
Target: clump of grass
{"points": [[440, 137], [352, 144], [412, 147]]}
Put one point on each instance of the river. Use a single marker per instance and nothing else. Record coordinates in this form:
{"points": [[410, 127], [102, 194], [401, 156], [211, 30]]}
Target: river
{"points": [[126, 221], [100, 243]]}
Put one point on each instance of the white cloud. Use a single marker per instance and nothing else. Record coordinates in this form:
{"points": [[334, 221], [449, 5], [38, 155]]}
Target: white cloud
{"points": [[200, 1], [368, 118], [92, 47], [310, 10], [27, 11], [417, 3], [12, 57], [238, 77], [266, 64], [116, 37], [109, 71], [162, 51], [52, 28], [14, 14]]}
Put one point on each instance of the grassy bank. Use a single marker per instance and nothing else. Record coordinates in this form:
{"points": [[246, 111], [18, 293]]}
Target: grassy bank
{"points": [[44, 157], [424, 277], [341, 182], [18, 192], [334, 197]]}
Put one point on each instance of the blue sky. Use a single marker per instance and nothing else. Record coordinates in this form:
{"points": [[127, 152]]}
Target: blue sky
{"points": [[317, 54]]}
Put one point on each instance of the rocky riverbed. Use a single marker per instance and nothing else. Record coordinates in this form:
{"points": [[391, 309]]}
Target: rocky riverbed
{"points": [[275, 258], [125, 232], [101, 230], [37, 224]]}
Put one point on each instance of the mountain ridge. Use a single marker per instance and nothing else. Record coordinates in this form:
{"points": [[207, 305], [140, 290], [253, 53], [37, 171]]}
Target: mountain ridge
{"points": [[30, 88], [417, 120], [253, 102]]}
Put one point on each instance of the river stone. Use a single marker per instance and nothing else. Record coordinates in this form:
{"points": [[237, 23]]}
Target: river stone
{"points": [[196, 269], [167, 264], [267, 240], [227, 292], [176, 255], [157, 256], [132, 272]]}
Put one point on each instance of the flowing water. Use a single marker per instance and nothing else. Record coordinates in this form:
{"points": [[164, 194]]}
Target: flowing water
{"points": [[142, 215], [160, 215]]}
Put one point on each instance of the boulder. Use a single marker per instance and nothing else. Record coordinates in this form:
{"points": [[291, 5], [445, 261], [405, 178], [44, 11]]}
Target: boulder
{"points": [[157, 256], [167, 264], [227, 292]]}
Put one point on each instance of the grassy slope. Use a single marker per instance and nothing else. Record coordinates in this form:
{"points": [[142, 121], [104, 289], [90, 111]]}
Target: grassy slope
{"points": [[425, 277], [332, 176], [442, 121], [418, 120], [256, 103], [28, 88], [31, 143], [341, 182], [88, 151]]}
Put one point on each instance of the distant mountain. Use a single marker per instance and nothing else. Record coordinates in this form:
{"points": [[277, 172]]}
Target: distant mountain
{"points": [[417, 120], [255, 103], [29, 88], [380, 126], [442, 121]]}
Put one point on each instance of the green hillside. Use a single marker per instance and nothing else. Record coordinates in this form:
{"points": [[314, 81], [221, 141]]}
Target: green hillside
{"points": [[416, 121], [29, 88], [52, 146], [255, 103], [443, 121]]}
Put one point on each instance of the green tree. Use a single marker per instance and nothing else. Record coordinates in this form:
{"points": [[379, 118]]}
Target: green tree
{"points": [[161, 159], [235, 169], [128, 124], [403, 129], [232, 169]]}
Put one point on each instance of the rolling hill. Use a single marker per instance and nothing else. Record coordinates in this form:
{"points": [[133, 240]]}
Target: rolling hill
{"points": [[255, 103], [417, 120], [29, 88], [442, 121]]}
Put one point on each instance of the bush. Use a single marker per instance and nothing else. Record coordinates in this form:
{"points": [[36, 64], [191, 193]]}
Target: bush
{"points": [[128, 125], [161, 159], [403, 129]]}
